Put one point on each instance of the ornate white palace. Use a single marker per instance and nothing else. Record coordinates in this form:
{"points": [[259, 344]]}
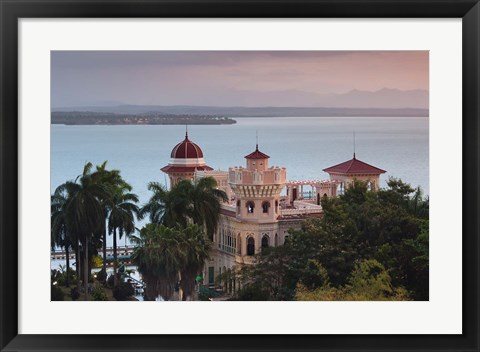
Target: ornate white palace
{"points": [[257, 215]]}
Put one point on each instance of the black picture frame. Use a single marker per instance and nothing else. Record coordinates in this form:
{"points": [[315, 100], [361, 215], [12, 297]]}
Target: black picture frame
{"points": [[12, 11]]}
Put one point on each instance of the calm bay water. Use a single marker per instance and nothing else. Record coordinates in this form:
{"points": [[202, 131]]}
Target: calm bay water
{"points": [[304, 145]]}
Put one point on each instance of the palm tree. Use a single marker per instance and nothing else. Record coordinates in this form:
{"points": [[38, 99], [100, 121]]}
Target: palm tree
{"points": [[197, 251], [84, 212], [111, 179], [168, 207], [59, 229], [159, 255], [155, 208], [122, 209], [186, 202], [206, 200], [418, 205]]}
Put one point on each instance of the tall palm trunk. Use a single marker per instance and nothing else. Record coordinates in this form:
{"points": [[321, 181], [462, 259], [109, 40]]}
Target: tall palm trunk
{"points": [[104, 264], [115, 257], [77, 266], [188, 283], [85, 269], [67, 254]]}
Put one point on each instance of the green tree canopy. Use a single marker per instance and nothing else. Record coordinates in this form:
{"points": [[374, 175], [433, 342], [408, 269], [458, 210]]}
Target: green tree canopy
{"points": [[387, 229]]}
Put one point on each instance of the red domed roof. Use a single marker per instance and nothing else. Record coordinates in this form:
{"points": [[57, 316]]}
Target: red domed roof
{"points": [[186, 150]]}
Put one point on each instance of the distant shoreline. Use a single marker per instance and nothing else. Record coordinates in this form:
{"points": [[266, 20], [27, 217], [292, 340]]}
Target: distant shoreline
{"points": [[73, 118], [209, 115]]}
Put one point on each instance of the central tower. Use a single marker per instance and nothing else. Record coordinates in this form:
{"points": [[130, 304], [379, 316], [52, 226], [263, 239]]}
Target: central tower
{"points": [[257, 188]]}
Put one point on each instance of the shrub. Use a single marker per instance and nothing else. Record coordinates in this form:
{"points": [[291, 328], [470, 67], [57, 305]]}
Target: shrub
{"points": [[123, 291], [61, 276], [110, 281], [102, 275], [57, 293], [98, 294], [96, 261], [252, 293], [74, 294]]}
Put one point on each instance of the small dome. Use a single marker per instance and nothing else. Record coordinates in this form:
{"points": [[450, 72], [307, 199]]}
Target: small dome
{"points": [[186, 150]]}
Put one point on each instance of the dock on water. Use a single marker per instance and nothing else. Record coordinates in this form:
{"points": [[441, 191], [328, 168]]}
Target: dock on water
{"points": [[123, 252]]}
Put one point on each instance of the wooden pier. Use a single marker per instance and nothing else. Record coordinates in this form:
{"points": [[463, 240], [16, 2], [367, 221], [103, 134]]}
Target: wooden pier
{"points": [[123, 252]]}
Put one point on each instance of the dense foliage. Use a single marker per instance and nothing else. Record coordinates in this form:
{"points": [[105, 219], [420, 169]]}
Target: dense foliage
{"points": [[187, 202], [165, 255], [368, 246], [99, 202], [123, 291]]}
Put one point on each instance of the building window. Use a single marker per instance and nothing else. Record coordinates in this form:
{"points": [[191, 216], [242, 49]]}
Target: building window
{"points": [[250, 246], [265, 206], [211, 275], [265, 241], [250, 207], [239, 245], [276, 206]]}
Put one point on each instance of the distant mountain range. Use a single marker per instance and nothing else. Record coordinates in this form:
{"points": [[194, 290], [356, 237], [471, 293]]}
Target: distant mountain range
{"points": [[383, 99], [355, 99]]}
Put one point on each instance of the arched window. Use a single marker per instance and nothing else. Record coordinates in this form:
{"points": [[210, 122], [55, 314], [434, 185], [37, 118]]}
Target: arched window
{"points": [[276, 206], [325, 195], [276, 240], [250, 207], [250, 246], [318, 198], [239, 245], [265, 206], [238, 206], [265, 241], [286, 240]]}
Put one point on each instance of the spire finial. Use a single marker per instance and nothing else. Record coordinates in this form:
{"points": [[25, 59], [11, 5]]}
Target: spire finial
{"points": [[186, 131], [354, 144], [257, 139]]}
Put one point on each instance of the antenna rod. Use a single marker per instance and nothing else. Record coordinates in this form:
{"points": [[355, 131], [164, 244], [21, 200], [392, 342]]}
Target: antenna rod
{"points": [[354, 144], [257, 138]]}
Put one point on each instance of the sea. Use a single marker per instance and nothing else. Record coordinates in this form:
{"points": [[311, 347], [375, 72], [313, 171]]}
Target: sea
{"points": [[304, 145]]}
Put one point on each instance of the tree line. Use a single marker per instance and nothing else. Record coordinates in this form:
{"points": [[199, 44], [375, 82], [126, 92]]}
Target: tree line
{"points": [[367, 246], [173, 247]]}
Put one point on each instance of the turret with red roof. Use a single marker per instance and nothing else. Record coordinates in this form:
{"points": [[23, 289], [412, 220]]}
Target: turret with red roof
{"points": [[186, 158], [355, 169]]}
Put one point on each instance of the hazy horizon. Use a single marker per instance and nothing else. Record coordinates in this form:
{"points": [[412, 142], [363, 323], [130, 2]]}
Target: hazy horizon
{"points": [[343, 79]]}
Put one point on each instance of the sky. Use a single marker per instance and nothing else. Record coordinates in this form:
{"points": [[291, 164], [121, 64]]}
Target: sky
{"points": [[228, 78]]}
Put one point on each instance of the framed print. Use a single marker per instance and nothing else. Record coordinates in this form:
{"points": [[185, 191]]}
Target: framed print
{"points": [[355, 128]]}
